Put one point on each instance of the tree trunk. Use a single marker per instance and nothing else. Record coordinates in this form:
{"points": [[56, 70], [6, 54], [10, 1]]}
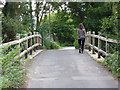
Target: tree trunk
{"points": [[37, 14], [42, 12], [31, 16], [11, 13]]}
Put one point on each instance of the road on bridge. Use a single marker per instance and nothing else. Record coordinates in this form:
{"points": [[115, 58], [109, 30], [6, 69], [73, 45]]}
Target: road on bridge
{"points": [[66, 68]]}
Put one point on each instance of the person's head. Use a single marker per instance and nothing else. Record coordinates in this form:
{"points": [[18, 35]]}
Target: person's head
{"points": [[81, 26]]}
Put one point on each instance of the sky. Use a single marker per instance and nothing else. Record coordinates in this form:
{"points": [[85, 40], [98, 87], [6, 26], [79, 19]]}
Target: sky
{"points": [[2, 2]]}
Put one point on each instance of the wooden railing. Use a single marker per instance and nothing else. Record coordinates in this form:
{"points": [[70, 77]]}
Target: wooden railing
{"points": [[30, 43], [95, 45]]}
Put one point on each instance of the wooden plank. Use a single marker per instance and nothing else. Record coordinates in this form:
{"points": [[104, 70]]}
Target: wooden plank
{"points": [[19, 41], [103, 38], [28, 49], [99, 50]]}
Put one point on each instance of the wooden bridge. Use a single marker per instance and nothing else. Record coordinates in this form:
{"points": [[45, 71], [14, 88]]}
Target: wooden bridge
{"points": [[65, 68], [34, 43]]}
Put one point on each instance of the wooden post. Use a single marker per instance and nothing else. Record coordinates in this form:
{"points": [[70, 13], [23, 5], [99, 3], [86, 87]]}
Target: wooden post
{"points": [[31, 44], [18, 37], [106, 46], [93, 43], [86, 41], [26, 46], [99, 46], [34, 41], [38, 41], [36, 38], [89, 40]]}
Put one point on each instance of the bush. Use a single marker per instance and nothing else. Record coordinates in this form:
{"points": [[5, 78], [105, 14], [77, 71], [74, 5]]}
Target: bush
{"points": [[112, 64], [64, 33], [12, 72], [76, 44], [67, 44], [50, 44]]}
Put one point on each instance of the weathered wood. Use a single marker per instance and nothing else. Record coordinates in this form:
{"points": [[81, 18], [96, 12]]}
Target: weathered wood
{"points": [[18, 41], [38, 47], [34, 41], [99, 50], [99, 47], [106, 45], [18, 37], [103, 38], [30, 44], [27, 49], [86, 41], [89, 40], [100, 38], [26, 46], [93, 43], [40, 39]]}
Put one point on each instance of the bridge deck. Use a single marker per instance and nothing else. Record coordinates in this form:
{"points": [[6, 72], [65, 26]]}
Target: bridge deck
{"points": [[66, 68]]}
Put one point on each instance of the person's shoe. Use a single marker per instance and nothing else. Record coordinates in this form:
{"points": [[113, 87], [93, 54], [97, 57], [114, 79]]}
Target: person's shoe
{"points": [[79, 50]]}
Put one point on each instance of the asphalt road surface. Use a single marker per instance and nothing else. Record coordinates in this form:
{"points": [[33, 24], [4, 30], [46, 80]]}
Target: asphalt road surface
{"points": [[66, 68]]}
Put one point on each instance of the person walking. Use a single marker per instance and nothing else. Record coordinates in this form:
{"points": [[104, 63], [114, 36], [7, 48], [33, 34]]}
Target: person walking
{"points": [[81, 33]]}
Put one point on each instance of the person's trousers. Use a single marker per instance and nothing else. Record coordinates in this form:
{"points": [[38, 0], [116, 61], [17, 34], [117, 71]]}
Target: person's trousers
{"points": [[81, 43]]}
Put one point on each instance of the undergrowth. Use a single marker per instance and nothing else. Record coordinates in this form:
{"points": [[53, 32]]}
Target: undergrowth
{"points": [[12, 69], [112, 63]]}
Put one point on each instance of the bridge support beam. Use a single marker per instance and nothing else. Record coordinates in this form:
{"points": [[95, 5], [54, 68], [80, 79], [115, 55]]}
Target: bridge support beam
{"points": [[93, 42], [89, 40], [30, 44], [99, 46], [26, 46], [107, 46], [37, 41], [34, 40]]}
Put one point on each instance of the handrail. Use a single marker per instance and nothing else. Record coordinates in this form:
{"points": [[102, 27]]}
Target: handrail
{"points": [[19, 41], [90, 43], [103, 38], [33, 44]]}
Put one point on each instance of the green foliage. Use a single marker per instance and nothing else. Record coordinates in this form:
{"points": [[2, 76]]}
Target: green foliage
{"points": [[47, 42], [67, 44], [62, 28], [50, 44], [89, 13], [59, 28], [109, 24], [112, 63], [63, 33], [12, 73], [76, 44], [11, 27], [17, 19], [109, 27]]}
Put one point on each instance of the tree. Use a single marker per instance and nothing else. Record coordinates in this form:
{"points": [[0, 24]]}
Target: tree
{"points": [[90, 14], [17, 19], [10, 11], [61, 28], [109, 26]]}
